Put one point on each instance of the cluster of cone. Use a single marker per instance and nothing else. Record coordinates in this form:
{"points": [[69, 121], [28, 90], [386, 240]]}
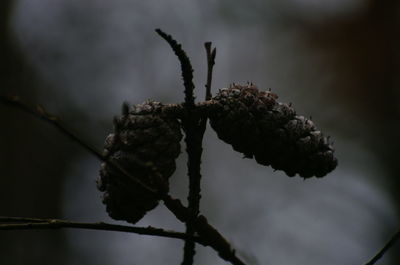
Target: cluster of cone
{"points": [[252, 121]]}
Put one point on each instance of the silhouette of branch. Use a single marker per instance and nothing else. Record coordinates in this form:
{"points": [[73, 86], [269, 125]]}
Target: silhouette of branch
{"points": [[20, 223], [195, 126], [41, 113], [11, 219], [208, 233], [194, 137], [385, 248], [186, 66], [210, 66]]}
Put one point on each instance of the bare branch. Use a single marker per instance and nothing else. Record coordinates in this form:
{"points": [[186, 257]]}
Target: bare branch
{"points": [[20, 223], [210, 235], [210, 66], [10, 219], [194, 136], [195, 126], [385, 248], [41, 113], [186, 66]]}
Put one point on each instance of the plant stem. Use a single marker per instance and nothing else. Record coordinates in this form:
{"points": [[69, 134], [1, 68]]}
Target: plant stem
{"points": [[20, 223], [210, 66], [385, 248], [194, 127], [186, 66], [193, 139], [211, 235]]}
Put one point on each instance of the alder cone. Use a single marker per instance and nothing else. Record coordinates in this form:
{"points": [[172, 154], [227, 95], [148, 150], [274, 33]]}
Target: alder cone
{"points": [[258, 126], [145, 143]]}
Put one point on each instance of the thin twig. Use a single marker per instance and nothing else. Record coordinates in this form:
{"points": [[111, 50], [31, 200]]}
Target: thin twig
{"points": [[35, 223], [205, 230], [208, 233], [385, 248], [186, 66], [11, 219], [41, 113], [193, 139], [210, 65], [195, 127]]}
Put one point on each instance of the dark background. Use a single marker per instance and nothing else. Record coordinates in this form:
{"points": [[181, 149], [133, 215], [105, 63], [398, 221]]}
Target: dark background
{"points": [[337, 61]]}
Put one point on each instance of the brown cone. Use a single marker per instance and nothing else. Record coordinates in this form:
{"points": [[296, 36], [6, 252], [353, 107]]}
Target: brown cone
{"points": [[143, 140], [258, 126]]}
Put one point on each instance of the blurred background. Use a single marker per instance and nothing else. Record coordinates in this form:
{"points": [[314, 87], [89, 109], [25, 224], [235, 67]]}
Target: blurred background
{"points": [[336, 60]]}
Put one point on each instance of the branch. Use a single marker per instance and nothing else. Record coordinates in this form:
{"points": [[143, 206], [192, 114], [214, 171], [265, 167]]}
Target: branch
{"points": [[41, 113], [35, 223], [10, 219], [194, 127], [210, 65], [186, 67], [194, 137], [208, 233], [385, 248]]}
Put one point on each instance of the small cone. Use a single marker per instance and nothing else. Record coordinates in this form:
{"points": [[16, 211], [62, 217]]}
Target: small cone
{"points": [[143, 140], [258, 126]]}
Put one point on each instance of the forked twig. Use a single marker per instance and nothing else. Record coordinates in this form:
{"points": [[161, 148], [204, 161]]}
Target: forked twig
{"points": [[198, 126], [195, 127]]}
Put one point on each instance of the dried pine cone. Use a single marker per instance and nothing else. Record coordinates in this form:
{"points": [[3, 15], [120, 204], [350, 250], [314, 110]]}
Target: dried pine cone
{"points": [[144, 140], [258, 126]]}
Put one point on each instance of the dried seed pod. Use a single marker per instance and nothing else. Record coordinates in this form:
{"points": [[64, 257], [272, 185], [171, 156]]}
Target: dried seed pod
{"points": [[258, 126], [144, 139]]}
